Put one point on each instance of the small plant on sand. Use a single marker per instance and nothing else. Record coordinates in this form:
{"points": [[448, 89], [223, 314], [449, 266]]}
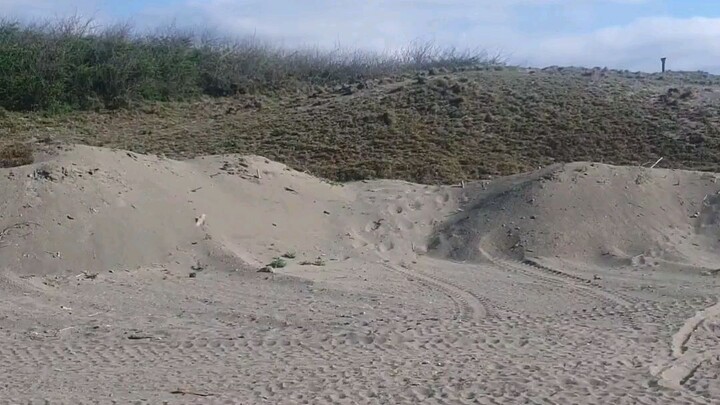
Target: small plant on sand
{"points": [[278, 263], [289, 255]]}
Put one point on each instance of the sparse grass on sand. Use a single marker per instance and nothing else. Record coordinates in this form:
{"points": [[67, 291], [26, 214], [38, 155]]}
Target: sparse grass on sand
{"points": [[277, 263], [15, 154]]}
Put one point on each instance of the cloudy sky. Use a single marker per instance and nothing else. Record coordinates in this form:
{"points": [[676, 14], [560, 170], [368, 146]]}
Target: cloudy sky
{"points": [[628, 34]]}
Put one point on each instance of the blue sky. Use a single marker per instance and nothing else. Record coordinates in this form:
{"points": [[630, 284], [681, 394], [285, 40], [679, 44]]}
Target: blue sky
{"points": [[627, 34]]}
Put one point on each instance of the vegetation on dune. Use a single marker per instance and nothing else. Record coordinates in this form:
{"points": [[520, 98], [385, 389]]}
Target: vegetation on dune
{"points": [[424, 115], [71, 64], [15, 154]]}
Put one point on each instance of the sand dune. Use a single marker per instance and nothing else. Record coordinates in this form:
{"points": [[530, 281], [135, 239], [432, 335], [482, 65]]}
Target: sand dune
{"points": [[131, 278], [591, 213]]}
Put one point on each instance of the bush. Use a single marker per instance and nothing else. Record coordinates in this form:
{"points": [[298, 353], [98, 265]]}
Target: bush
{"points": [[73, 64], [278, 263]]}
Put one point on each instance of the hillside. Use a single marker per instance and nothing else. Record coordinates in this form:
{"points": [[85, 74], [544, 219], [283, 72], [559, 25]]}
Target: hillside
{"points": [[433, 126]]}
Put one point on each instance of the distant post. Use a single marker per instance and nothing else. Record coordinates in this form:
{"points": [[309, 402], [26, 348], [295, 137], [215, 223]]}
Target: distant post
{"points": [[663, 64]]}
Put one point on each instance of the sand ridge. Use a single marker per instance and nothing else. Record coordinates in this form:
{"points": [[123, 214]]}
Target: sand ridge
{"points": [[133, 278]]}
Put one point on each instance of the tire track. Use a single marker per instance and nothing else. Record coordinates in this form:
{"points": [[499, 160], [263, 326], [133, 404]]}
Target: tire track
{"points": [[468, 304], [621, 298], [582, 286]]}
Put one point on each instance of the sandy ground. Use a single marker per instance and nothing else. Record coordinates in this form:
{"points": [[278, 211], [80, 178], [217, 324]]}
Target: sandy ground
{"points": [[134, 279]]}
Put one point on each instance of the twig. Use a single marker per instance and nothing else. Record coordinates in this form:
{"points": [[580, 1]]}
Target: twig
{"points": [[655, 164], [139, 337], [197, 394]]}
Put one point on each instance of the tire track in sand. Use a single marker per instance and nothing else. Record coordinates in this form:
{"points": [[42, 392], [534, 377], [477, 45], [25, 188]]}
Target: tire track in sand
{"points": [[555, 277], [468, 305]]}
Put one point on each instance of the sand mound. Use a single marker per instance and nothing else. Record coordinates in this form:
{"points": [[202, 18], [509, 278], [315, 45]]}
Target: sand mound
{"points": [[590, 213], [92, 209]]}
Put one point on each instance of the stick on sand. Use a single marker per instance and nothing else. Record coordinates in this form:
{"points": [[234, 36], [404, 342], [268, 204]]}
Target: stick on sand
{"points": [[656, 163]]}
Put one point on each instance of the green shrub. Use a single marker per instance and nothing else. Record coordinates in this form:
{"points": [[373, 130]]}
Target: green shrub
{"points": [[72, 64], [278, 263]]}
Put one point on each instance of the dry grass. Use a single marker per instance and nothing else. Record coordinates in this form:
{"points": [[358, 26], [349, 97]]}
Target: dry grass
{"points": [[15, 154], [439, 126]]}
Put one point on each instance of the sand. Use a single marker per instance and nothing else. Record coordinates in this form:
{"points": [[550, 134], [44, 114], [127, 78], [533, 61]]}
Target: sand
{"points": [[138, 279]]}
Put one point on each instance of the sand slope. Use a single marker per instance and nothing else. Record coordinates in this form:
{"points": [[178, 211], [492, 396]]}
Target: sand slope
{"points": [[129, 278], [591, 213], [93, 209]]}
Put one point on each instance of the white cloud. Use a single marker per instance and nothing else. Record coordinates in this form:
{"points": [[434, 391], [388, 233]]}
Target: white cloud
{"points": [[34, 9], [689, 44]]}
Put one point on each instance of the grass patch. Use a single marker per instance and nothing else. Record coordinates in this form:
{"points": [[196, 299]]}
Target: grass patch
{"points": [[15, 154]]}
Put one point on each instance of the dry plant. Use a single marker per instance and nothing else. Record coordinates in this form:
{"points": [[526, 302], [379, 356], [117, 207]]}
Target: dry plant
{"points": [[15, 154]]}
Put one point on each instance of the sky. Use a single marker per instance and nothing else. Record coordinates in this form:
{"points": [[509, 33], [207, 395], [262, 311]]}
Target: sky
{"points": [[620, 34]]}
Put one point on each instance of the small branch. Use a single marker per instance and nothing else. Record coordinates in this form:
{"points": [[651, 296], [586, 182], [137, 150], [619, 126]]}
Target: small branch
{"points": [[139, 337], [656, 163], [197, 394]]}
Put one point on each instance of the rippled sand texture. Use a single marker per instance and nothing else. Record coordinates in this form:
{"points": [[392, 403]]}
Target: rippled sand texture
{"points": [[134, 279]]}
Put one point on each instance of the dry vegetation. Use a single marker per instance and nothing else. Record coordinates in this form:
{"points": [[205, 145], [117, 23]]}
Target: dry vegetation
{"points": [[439, 127], [15, 154], [427, 115]]}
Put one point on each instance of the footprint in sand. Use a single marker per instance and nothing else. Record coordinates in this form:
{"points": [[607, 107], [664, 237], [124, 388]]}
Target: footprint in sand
{"points": [[386, 246], [442, 199], [395, 209], [405, 224]]}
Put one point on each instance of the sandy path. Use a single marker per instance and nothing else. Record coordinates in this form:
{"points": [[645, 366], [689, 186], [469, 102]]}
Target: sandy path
{"points": [[247, 339]]}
